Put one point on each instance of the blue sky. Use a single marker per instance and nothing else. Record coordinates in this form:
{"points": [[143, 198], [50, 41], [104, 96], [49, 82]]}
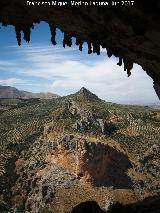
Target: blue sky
{"points": [[41, 67]]}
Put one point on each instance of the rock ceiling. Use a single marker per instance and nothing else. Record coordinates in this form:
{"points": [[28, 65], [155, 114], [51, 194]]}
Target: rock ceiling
{"points": [[132, 34]]}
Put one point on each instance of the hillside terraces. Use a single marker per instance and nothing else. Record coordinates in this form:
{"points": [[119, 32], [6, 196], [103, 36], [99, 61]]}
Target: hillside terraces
{"points": [[19, 127], [48, 164]]}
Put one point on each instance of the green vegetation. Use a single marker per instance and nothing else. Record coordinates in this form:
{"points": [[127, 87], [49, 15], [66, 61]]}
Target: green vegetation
{"points": [[135, 128]]}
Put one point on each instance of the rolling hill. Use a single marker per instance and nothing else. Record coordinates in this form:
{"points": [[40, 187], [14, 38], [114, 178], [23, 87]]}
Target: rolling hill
{"points": [[60, 152], [13, 93]]}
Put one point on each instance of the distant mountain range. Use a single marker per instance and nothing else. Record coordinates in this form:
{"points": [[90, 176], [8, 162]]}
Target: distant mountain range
{"points": [[13, 93]]}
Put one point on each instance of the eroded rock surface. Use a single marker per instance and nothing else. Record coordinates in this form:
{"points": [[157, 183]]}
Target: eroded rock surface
{"points": [[38, 180], [91, 162], [86, 118]]}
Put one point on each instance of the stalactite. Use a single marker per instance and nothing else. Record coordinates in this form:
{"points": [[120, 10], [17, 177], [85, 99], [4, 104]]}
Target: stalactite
{"points": [[80, 43], [53, 34], [81, 46], [128, 65], [67, 40], [77, 40], [27, 33], [96, 48], [109, 53], [4, 24], [18, 34], [128, 72], [89, 47], [120, 61], [32, 26]]}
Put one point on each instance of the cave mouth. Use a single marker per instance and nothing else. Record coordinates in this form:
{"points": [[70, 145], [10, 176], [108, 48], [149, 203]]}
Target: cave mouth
{"points": [[87, 207], [43, 61], [129, 32]]}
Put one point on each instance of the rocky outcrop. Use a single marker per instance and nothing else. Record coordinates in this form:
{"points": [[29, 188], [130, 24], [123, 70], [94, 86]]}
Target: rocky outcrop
{"points": [[87, 119], [99, 126], [37, 180], [95, 163], [86, 94], [107, 127]]}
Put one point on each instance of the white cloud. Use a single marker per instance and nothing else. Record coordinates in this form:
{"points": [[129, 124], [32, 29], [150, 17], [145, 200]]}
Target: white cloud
{"points": [[12, 82], [68, 72], [6, 63]]}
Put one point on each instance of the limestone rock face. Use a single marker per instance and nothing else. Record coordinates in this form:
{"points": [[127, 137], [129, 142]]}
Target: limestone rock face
{"points": [[85, 93], [37, 181], [87, 119], [95, 163]]}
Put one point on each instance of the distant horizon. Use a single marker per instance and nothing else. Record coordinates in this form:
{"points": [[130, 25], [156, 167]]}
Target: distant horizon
{"points": [[41, 67], [145, 104]]}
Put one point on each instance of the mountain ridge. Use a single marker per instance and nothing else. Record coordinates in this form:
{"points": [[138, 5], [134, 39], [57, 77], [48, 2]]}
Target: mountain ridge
{"points": [[86, 93], [83, 95], [8, 92]]}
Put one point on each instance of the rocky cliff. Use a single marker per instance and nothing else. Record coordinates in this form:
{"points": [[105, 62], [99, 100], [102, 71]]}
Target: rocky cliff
{"points": [[95, 163]]}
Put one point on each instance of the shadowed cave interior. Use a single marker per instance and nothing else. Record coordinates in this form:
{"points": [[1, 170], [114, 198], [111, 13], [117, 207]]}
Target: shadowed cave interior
{"points": [[149, 205]]}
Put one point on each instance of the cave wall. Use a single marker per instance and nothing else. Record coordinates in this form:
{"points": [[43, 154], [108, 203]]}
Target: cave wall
{"points": [[130, 33]]}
